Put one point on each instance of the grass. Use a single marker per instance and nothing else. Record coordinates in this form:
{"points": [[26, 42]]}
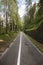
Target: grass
{"points": [[36, 43], [6, 39]]}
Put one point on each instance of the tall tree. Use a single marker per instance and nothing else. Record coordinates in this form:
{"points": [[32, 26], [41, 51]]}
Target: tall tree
{"points": [[11, 11], [40, 12], [29, 18]]}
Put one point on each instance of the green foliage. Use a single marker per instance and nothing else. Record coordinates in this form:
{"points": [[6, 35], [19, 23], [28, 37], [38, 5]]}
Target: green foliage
{"points": [[10, 10], [0, 5], [40, 12], [33, 19], [8, 37]]}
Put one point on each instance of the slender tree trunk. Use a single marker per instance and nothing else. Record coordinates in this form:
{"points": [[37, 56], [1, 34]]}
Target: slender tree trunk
{"points": [[6, 16], [0, 27], [6, 22], [13, 26]]}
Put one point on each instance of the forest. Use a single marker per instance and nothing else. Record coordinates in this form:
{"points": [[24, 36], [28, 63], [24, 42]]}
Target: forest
{"points": [[11, 23], [33, 24]]}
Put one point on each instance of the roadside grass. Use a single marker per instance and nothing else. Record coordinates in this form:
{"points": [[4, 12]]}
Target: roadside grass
{"points": [[36, 43], [6, 39]]}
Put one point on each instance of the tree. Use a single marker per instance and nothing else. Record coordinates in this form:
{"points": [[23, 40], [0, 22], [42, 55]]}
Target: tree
{"points": [[11, 11], [40, 12], [29, 18], [0, 6]]}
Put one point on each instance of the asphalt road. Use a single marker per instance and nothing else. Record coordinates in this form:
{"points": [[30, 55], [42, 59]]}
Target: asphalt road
{"points": [[29, 54], [21, 52], [9, 57]]}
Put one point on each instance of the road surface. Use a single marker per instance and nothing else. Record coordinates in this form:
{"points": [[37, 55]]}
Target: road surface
{"points": [[29, 54], [22, 52], [9, 57]]}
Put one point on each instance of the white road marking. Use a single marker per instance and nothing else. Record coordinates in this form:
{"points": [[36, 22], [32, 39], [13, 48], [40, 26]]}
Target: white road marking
{"points": [[19, 53]]}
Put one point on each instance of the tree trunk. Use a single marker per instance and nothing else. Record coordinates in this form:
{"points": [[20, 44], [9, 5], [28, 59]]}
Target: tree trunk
{"points": [[6, 22]]}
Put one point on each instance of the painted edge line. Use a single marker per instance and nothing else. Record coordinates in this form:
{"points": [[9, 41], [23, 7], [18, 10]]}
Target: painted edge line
{"points": [[19, 52]]}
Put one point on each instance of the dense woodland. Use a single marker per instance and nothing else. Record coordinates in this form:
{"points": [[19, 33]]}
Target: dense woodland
{"points": [[10, 22], [11, 19], [33, 20]]}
